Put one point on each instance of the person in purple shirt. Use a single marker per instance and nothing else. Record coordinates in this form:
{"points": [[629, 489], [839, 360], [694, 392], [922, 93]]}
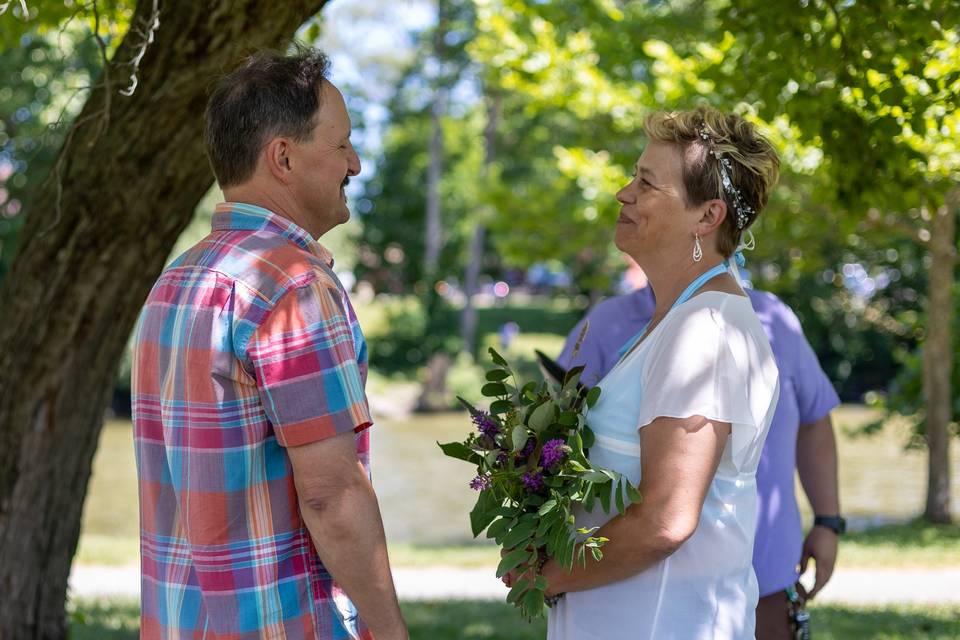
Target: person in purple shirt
{"points": [[801, 437]]}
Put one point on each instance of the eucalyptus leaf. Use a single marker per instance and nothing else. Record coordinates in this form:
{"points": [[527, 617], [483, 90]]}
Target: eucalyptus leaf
{"points": [[493, 389], [518, 437], [542, 416], [586, 434], [497, 375], [500, 406]]}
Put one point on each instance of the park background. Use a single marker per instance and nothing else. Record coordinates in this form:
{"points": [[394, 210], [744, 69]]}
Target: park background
{"points": [[493, 136]]}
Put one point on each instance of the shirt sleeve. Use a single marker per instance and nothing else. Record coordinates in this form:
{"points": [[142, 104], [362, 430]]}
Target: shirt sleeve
{"points": [[307, 369], [816, 396], [702, 365]]}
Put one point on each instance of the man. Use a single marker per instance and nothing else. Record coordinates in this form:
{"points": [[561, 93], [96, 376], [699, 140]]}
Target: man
{"points": [[801, 431], [258, 519]]}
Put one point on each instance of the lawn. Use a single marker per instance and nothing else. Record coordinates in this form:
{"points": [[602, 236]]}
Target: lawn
{"points": [[118, 620], [425, 500]]}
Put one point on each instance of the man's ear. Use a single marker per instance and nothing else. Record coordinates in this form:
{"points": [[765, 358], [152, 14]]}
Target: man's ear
{"points": [[276, 155], [713, 216]]}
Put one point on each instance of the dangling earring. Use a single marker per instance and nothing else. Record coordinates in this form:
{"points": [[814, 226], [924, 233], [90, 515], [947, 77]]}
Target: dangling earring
{"points": [[697, 249]]}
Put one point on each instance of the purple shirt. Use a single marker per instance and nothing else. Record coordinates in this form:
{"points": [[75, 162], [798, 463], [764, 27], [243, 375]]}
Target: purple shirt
{"points": [[806, 395]]}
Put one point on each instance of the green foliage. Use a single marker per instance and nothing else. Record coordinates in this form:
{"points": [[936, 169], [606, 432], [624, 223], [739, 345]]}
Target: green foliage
{"points": [[905, 396], [532, 471]]}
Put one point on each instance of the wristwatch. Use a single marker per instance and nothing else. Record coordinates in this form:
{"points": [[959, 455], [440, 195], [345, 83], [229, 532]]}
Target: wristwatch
{"points": [[836, 523]]}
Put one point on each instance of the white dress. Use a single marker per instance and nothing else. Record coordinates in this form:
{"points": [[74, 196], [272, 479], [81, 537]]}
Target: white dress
{"points": [[710, 357]]}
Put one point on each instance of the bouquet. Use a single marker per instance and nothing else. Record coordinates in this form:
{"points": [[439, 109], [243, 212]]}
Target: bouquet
{"points": [[532, 470]]}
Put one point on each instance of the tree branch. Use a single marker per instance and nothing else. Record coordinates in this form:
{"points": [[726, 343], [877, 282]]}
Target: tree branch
{"points": [[23, 8], [153, 23]]}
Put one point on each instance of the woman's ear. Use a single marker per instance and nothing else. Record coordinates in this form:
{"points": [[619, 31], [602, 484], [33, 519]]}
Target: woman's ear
{"points": [[713, 216]]}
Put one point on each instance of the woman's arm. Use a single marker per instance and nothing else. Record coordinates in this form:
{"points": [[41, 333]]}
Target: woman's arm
{"points": [[679, 458]]}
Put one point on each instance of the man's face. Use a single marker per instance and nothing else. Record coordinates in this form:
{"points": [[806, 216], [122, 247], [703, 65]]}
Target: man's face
{"points": [[323, 165]]}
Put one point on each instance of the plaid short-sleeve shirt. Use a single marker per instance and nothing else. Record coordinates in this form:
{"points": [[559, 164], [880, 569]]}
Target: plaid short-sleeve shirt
{"points": [[247, 344]]}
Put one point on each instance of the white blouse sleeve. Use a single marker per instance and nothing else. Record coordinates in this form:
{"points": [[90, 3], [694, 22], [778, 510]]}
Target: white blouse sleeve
{"points": [[704, 365]]}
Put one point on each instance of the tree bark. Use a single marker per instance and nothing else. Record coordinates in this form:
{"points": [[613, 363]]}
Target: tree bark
{"points": [[468, 321], [131, 178], [433, 239], [938, 358]]}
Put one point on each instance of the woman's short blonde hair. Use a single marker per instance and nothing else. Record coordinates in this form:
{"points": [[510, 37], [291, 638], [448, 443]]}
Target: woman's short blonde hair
{"points": [[753, 169]]}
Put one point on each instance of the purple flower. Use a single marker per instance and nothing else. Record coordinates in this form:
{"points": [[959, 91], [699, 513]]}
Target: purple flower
{"points": [[527, 448], [485, 424], [553, 452], [480, 483], [532, 480]]}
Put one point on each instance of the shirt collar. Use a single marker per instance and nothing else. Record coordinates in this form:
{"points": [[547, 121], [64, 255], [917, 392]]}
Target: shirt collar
{"points": [[249, 217]]}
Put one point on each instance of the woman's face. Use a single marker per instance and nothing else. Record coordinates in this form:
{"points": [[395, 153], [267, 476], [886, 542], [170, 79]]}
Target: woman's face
{"points": [[654, 219]]}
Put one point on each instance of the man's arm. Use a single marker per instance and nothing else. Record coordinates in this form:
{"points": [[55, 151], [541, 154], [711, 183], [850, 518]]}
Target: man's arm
{"points": [[340, 510], [817, 465]]}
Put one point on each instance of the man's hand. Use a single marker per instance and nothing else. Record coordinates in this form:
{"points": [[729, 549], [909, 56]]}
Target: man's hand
{"points": [[821, 545]]}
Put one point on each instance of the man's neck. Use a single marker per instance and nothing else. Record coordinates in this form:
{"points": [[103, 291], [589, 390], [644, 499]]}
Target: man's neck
{"points": [[279, 204]]}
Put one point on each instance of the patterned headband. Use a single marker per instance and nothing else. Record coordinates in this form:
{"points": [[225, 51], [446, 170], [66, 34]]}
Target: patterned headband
{"points": [[744, 211]]}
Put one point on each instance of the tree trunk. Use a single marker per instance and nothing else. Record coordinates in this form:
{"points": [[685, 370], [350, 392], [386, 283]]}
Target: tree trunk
{"points": [[938, 358], [434, 237], [468, 322], [131, 178]]}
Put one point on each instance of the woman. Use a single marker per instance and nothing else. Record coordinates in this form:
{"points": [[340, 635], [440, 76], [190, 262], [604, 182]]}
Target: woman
{"points": [[689, 402]]}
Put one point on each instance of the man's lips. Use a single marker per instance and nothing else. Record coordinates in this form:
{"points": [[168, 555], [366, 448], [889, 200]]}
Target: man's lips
{"points": [[624, 220]]}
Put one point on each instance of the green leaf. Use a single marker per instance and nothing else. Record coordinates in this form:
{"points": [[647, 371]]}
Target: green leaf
{"points": [[483, 512], [497, 375], [586, 434], [519, 535], [533, 603], [567, 418], [588, 496], [582, 555], [633, 494], [518, 437], [500, 406], [511, 561], [497, 358], [621, 508], [597, 554], [469, 407], [547, 507], [517, 590], [592, 396], [596, 476], [540, 583], [605, 498], [573, 375], [493, 389], [460, 451], [498, 527], [542, 416]]}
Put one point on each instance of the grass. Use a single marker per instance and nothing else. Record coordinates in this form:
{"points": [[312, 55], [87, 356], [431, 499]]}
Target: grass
{"points": [[424, 499], [473, 620], [915, 544]]}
